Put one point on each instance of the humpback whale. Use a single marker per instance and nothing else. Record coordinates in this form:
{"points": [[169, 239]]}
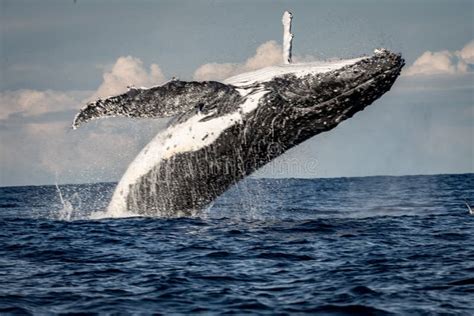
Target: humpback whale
{"points": [[224, 131]]}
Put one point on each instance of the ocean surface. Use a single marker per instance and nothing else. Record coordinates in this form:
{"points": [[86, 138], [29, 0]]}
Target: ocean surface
{"points": [[363, 246]]}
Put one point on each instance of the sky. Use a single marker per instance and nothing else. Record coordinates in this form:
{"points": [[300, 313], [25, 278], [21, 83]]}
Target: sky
{"points": [[57, 55]]}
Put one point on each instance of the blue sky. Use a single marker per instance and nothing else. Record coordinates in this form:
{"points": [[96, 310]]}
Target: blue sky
{"points": [[55, 55]]}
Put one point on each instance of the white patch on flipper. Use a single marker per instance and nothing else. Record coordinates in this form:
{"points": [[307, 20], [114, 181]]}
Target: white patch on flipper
{"points": [[287, 37], [190, 135]]}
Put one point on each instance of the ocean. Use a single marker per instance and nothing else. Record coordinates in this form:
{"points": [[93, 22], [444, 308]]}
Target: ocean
{"points": [[344, 246]]}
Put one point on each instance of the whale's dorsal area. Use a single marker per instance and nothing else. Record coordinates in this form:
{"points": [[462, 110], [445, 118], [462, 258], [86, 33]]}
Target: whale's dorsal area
{"points": [[169, 99]]}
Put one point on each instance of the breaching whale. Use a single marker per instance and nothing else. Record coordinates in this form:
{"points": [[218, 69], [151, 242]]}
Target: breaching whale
{"points": [[224, 131]]}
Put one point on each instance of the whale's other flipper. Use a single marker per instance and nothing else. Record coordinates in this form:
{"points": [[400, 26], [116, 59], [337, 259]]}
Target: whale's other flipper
{"points": [[170, 99]]}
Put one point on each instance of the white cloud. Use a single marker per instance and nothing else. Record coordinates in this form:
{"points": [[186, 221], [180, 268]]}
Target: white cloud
{"points": [[467, 53], [267, 54], [435, 63], [33, 102], [443, 62], [128, 71]]}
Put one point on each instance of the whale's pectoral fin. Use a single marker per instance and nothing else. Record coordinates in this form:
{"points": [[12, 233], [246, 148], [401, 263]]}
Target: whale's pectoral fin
{"points": [[170, 99]]}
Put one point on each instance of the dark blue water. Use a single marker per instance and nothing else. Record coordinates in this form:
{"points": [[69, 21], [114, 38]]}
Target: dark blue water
{"points": [[368, 246]]}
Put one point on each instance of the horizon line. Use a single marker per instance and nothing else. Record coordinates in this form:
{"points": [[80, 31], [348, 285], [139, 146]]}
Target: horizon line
{"points": [[259, 178]]}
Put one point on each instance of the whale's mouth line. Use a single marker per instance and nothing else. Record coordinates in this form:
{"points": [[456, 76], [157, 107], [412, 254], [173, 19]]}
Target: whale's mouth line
{"points": [[318, 105]]}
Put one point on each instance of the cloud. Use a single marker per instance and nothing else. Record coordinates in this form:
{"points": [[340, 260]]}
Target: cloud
{"points": [[435, 63], [467, 53], [33, 102], [128, 71], [267, 54], [443, 62]]}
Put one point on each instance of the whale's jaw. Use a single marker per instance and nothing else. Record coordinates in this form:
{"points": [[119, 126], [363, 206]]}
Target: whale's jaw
{"points": [[203, 153]]}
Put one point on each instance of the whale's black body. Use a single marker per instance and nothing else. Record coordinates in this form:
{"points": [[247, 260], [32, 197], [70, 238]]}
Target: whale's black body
{"points": [[287, 110]]}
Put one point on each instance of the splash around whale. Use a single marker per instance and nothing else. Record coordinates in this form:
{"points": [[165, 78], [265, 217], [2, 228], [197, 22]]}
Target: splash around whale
{"points": [[224, 131]]}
